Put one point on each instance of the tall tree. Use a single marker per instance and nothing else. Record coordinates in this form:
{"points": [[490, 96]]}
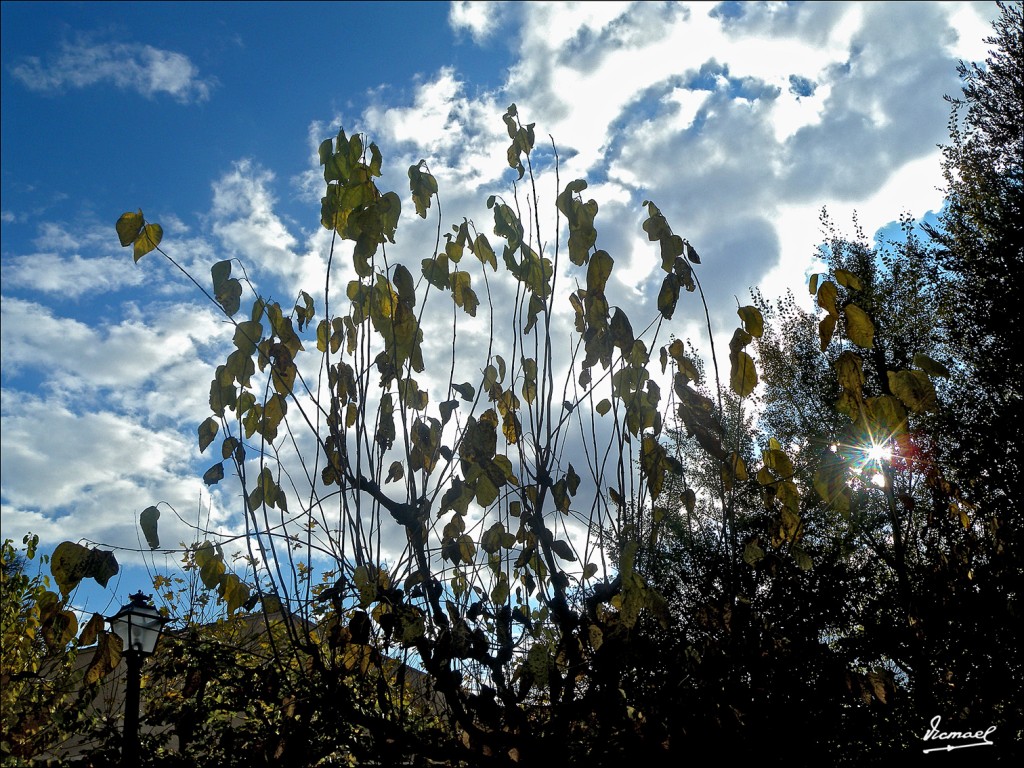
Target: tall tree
{"points": [[981, 236]]}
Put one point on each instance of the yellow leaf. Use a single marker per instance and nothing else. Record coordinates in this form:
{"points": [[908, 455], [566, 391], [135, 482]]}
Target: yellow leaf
{"points": [[859, 328], [827, 294], [148, 239], [914, 388], [848, 279], [849, 368], [743, 377], [826, 329], [753, 322], [128, 227]]}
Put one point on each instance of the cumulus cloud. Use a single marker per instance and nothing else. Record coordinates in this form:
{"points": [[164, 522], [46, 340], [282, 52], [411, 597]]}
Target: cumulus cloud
{"points": [[129, 66], [69, 276], [739, 120], [100, 468], [479, 19]]}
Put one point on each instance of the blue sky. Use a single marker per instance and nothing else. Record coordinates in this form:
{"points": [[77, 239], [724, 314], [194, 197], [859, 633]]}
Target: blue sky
{"points": [[740, 120]]}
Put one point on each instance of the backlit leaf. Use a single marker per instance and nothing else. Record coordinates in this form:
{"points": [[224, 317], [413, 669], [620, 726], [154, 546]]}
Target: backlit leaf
{"points": [[915, 389], [848, 279], [149, 238], [563, 549], [827, 295], [598, 271], [826, 330], [849, 370], [467, 549], [128, 227], [859, 328], [753, 322], [71, 562], [743, 374], [105, 659]]}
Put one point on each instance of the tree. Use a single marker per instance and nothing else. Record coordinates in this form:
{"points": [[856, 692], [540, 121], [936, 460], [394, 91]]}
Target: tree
{"points": [[45, 689], [503, 476], [538, 528], [228, 687], [881, 629], [981, 241]]}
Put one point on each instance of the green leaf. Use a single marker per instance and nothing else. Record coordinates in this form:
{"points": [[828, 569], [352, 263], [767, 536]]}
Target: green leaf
{"points": [[859, 328], [603, 407], [148, 523]]}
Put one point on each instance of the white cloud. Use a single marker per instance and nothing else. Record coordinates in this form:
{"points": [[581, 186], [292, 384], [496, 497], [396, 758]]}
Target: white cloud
{"points": [[732, 123], [678, 104], [242, 217], [116, 363], [129, 66], [69, 276], [99, 467], [479, 19]]}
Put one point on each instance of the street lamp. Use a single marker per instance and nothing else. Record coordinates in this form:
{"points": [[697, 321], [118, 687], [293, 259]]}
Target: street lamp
{"points": [[138, 625]]}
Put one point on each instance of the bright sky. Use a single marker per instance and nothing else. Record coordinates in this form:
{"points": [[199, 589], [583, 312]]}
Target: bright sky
{"points": [[741, 121]]}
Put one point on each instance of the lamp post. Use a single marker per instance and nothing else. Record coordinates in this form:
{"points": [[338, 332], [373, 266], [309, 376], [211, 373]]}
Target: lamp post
{"points": [[138, 625]]}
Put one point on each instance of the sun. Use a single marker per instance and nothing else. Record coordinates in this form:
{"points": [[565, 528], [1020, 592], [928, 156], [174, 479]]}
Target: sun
{"points": [[879, 452]]}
